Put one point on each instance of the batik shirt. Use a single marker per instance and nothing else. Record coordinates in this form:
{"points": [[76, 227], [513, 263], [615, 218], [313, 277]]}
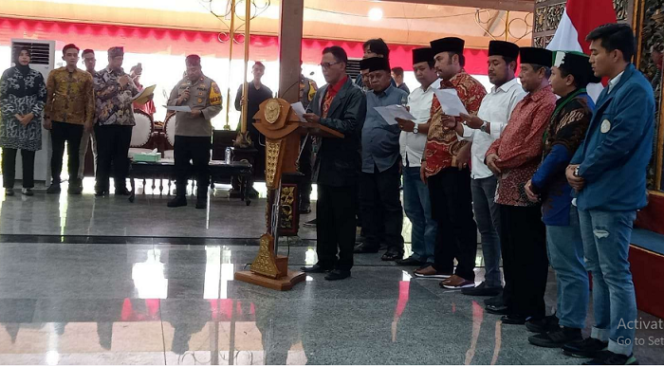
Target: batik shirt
{"points": [[70, 97], [443, 145], [566, 131], [114, 102], [519, 148], [21, 93]]}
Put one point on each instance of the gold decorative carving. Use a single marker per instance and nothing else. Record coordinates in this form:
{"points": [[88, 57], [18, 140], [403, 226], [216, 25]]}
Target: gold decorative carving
{"points": [[621, 7], [287, 199], [540, 19], [272, 111], [265, 262], [272, 152], [553, 15]]}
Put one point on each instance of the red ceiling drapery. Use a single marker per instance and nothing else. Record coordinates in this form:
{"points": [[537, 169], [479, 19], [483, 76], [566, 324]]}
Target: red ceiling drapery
{"points": [[181, 42]]}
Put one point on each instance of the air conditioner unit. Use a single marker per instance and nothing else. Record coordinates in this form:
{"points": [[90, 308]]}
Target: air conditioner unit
{"points": [[353, 68], [42, 59]]}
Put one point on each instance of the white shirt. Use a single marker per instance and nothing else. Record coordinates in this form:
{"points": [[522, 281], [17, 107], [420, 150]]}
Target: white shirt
{"points": [[496, 108], [412, 144], [613, 82]]}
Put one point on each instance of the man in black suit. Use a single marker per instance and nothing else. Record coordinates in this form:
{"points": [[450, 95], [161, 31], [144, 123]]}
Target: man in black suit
{"points": [[341, 106]]}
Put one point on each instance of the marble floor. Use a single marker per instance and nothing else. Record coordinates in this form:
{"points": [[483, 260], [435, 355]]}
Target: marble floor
{"points": [[178, 304], [148, 216]]}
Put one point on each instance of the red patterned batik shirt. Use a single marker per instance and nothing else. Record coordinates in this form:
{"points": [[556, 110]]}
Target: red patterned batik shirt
{"points": [[442, 145], [520, 146]]}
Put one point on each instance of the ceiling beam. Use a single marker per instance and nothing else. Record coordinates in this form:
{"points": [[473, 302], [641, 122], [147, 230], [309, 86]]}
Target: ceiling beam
{"points": [[509, 5]]}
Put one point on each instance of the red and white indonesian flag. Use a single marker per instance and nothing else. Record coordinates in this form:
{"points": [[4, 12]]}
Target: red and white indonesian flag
{"points": [[579, 19]]}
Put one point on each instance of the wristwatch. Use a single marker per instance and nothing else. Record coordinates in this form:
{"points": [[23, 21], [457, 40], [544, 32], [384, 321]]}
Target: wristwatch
{"points": [[484, 126], [415, 129]]}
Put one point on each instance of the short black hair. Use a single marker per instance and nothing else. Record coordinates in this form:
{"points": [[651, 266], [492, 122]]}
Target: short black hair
{"points": [[547, 70], [615, 36], [462, 58], [88, 50], [509, 60], [377, 46], [398, 71], [339, 53], [68, 46]]}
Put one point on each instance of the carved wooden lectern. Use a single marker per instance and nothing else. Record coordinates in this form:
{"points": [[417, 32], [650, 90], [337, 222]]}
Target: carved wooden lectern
{"points": [[283, 131]]}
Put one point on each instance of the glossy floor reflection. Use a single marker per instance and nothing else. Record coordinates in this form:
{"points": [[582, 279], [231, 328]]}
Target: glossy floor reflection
{"points": [[178, 304], [148, 216]]}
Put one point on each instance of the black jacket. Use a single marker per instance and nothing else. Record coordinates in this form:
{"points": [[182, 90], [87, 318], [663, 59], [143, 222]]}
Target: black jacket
{"points": [[338, 161]]}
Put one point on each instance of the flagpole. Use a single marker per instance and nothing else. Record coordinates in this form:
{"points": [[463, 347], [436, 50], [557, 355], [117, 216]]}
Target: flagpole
{"points": [[245, 89], [227, 127]]}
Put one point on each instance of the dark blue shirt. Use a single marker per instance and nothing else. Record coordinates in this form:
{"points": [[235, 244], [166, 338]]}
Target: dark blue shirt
{"points": [[380, 141]]}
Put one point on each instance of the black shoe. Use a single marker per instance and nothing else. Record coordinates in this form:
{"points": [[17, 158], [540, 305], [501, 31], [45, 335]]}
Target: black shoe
{"points": [[252, 194], [201, 205], [543, 325], [53, 189], [9, 192], [100, 193], [311, 223], [497, 309], [122, 191], [496, 301], [392, 255], [557, 338], [482, 290], [364, 249], [337, 275], [27, 192], [75, 188], [513, 319], [315, 269], [587, 348], [178, 201], [410, 261], [610, 358]]}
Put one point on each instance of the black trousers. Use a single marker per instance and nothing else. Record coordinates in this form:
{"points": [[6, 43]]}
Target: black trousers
{"points": [[112, 148], [305, 165], [9, 168], [382, 215], [335, 226], [451, 207], [62, 132], [196, 149], [525, 262]]}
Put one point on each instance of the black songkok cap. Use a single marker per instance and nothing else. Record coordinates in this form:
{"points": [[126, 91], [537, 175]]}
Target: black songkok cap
{"points": [[449, 44], [422, 55], [536, 56], [505, 49], [577, 64], [375, 64]]}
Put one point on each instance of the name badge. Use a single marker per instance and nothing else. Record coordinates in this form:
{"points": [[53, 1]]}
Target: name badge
{"points": [[606, 126]]}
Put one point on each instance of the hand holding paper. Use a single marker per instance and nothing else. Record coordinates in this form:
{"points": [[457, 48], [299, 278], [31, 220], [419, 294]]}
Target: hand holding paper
{"points": [[298, 108], [390, 113], [450, 102]]}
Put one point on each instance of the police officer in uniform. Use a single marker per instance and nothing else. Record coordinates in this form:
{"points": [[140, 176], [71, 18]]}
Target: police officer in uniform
{"points": [[193, 130]]}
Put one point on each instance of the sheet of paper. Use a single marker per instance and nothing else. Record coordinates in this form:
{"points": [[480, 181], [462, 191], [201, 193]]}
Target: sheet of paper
{"points": [[178, 108], [142, 97], [298, 108], [390, 113], [450, 102]]}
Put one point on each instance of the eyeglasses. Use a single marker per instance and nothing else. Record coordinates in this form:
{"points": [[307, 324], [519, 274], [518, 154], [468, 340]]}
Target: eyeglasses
{"points": [[327, 65]]}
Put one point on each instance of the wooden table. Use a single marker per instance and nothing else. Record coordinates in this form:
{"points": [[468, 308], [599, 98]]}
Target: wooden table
{"points": [[161, 170]]}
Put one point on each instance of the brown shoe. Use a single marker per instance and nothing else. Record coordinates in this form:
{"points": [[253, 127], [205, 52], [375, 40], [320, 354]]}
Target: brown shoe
{"points": [[456, 282], [430, 272]]}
